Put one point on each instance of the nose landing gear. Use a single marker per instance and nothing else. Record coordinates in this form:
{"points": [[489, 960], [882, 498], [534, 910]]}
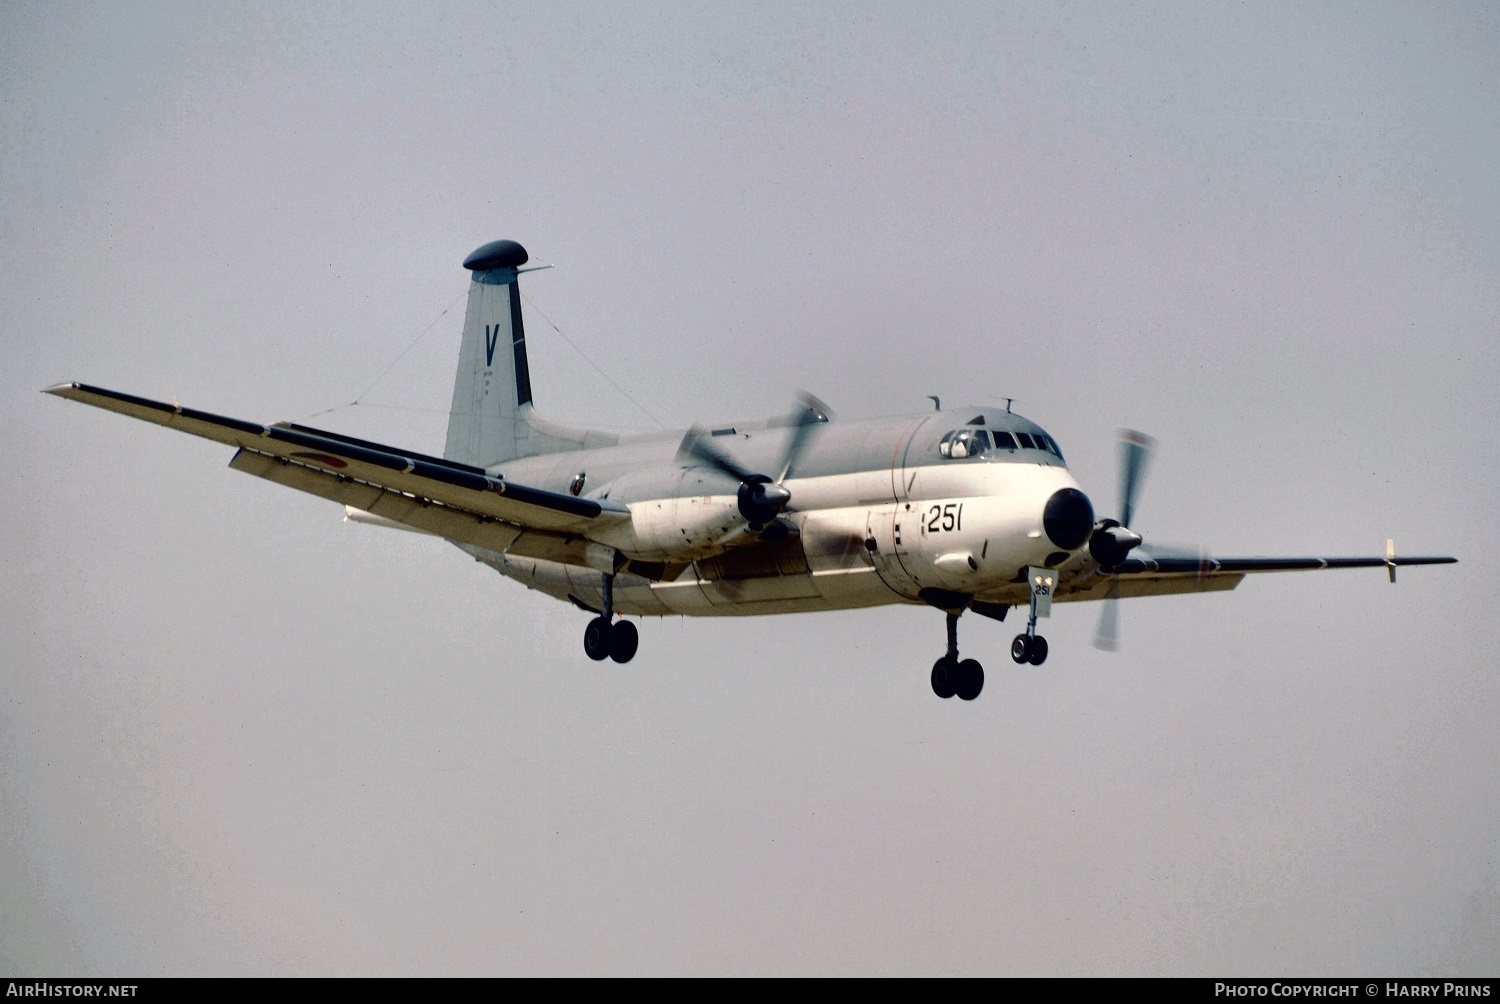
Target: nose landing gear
{"points": [[1032, 647], [951, 677], [605, 639]]}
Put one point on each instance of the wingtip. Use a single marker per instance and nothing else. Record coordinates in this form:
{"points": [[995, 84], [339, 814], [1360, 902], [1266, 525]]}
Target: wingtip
{"points": [[60, 388]]}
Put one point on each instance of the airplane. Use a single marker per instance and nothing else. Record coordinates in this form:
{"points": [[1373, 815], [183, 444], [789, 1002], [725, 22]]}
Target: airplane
{"points": [[960, 509]]}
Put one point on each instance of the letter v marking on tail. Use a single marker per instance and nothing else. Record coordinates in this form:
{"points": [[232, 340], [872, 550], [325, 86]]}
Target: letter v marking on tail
{"points": [[491, 336]]}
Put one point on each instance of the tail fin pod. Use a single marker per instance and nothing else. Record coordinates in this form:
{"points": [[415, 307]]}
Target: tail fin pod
{"points": [[491, 419]]}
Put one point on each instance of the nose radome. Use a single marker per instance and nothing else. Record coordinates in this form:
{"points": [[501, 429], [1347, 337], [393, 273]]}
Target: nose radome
{"points": [[1068, 518]]}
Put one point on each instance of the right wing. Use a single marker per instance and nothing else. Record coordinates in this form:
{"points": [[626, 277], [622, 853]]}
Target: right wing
{"points": [[453, 500]]}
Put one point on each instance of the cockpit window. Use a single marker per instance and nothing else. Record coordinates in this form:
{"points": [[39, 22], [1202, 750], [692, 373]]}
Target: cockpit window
{"points": [[971, 442], [961, 443], [1042, 441]]}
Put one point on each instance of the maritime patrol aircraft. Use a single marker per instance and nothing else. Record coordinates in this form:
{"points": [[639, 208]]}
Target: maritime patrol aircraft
{"points": [[967, 509]]}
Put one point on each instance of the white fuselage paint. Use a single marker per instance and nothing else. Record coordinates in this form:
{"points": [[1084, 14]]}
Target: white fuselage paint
{"points": [[864, 537]]}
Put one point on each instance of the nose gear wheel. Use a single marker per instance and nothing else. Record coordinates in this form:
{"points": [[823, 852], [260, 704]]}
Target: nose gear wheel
{"points": [[1029, 648]]}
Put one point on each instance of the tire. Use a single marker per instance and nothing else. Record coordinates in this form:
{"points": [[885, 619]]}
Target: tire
{"points": [[970, 680], [1036, 652], [944, 674], [596, 639], [1020, 648], [624, 639]]}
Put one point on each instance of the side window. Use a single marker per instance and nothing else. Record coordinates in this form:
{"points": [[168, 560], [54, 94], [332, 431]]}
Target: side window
{"points": [[1025, 440]]}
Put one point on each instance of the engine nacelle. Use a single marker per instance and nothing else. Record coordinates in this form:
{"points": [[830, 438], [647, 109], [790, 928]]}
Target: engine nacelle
{"points": [[684, 529], [680, 515], [1111, 543]]}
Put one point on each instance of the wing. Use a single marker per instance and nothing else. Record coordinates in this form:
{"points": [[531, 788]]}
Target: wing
{"points": [[453, 500], [1160, 576]]}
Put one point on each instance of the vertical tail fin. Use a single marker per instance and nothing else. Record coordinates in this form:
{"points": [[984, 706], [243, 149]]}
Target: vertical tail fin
{"points": [[486, 424], [492, 419]]}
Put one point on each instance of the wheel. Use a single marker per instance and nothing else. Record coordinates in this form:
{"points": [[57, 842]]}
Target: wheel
{"points": [[624, 639], [1036, 652], [944, 673], [1019, 648], [970, 680], [596, 639]]}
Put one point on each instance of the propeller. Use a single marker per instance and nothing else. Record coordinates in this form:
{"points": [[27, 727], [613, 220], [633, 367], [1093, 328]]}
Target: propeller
{"points": [[762, 498], [1113, 540]]}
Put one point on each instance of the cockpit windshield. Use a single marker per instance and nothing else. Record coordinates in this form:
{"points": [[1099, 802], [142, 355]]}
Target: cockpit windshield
{"points": [[963, 443]]}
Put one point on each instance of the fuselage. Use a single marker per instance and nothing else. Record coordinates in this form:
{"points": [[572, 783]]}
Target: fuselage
{"points": [[894, 510]]}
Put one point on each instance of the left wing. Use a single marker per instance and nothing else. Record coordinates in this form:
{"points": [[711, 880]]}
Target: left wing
{"points": [[1163, 576], [450, 499]]}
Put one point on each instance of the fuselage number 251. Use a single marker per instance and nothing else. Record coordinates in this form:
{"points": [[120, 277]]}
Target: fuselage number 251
{"points": [[947, 516]]}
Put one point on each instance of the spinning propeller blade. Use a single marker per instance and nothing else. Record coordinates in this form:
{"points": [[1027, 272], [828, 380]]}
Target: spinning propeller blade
{"points": [[809, 414], [1135, 452], [703, 451], [1114, 539], [1107, 634], [762, 498]]}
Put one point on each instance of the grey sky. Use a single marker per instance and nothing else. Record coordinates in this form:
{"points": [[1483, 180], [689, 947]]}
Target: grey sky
{"points": [[239, 736]]}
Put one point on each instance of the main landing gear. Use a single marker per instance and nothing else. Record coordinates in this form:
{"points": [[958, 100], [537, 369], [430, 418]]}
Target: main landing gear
{"points": [[606, 639], [950, 677]]}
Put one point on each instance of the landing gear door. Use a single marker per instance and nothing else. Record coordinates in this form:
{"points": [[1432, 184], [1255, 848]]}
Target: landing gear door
{"points": [[1042, 583]]}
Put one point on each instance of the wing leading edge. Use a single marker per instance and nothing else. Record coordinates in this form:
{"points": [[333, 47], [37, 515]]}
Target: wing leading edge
{"points": [[450, 499]]}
